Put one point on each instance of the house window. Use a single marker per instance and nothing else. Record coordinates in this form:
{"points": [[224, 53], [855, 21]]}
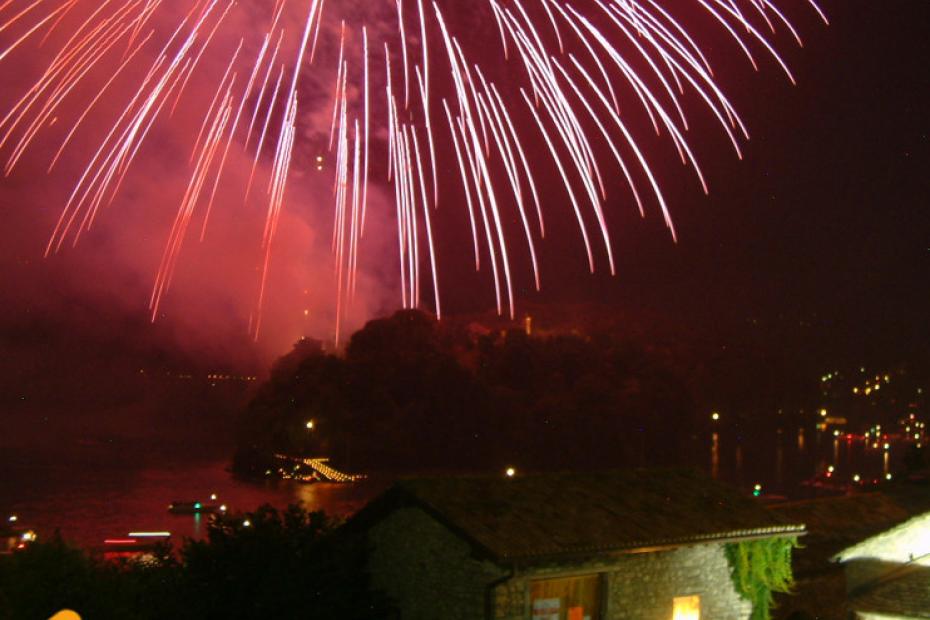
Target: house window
{"points": [[687, 608], [570, 598]]}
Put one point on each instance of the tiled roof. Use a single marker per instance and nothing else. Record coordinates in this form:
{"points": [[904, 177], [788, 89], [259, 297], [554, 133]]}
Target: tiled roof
{"points": [[551, 515], [834, 523], [849, 517], [905, 596]]}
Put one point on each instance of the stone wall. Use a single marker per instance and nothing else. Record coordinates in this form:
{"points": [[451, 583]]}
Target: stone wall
{"points": [[429, 572], [642, 586]]}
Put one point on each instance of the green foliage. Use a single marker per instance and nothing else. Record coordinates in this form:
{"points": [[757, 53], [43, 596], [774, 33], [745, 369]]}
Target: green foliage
{"points": [[290, 564], [282, 565], [759, 568], [53, 575]]}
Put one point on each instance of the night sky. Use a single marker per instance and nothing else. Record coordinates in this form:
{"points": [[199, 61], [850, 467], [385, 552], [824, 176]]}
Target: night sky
{"points": [[823, 224]]}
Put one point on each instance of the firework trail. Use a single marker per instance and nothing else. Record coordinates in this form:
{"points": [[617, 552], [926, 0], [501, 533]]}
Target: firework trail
{"points": [[571, 86]]}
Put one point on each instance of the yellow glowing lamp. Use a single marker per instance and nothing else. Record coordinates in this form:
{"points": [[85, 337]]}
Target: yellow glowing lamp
{"points": [[511, 472], [65, 614], [687, 608]]}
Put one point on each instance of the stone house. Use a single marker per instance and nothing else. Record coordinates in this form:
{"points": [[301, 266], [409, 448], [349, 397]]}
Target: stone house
{"points": [[632, 545], [888, 575]]}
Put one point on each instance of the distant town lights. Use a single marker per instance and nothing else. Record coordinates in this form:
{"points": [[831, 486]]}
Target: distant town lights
{"points": [[13, 519], [823, 413], [310, 425], [511, 472], [246, 523], [857, 478], [715, 416]]}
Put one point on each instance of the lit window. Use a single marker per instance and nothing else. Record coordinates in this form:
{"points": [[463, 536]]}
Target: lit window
{"points": [[687, 608]]}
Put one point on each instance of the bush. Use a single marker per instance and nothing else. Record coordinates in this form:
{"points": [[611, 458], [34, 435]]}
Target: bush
{"points": [[290, 564]]}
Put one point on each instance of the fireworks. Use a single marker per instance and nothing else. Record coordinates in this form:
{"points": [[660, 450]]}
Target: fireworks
{"points": [[582, 80]]}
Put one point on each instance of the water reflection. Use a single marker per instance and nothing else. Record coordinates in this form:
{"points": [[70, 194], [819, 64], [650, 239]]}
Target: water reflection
{"points": [[780, 462], [90, 502], [738, 474]]}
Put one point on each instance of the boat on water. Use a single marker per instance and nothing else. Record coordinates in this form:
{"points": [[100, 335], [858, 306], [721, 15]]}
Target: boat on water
{"points": [[311, 470], [15, 537], [134, 544], [196, 507]]}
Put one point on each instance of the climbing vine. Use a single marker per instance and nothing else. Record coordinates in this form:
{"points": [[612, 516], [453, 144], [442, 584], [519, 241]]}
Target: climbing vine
{"points": [[759, 568]]}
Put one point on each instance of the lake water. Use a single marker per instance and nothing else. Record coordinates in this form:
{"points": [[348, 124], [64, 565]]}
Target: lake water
{"points": [[102, 493], [107, 500]]}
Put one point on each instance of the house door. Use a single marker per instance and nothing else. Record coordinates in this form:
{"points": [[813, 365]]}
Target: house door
{"points": [[568, 598]]}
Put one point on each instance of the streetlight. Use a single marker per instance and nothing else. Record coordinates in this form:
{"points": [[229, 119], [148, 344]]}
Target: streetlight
{"points": [[310, 425], [511, 472]]}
